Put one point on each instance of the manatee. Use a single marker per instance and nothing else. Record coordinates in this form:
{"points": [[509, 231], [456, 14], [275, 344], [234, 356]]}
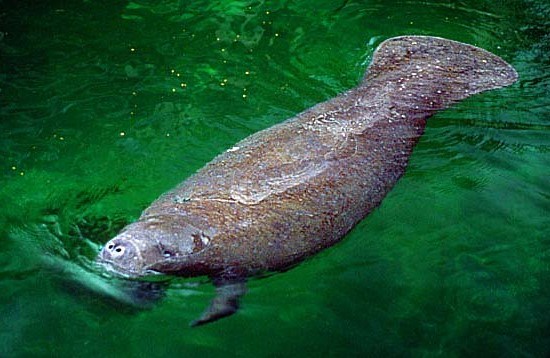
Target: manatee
{"points": [[287, 192]]}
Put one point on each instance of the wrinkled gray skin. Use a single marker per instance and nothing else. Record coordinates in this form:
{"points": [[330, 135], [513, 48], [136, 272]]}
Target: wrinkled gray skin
{"points": [[289, 191]]}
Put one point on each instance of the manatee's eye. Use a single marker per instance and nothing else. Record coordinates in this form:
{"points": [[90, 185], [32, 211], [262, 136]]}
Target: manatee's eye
{"points": [[167, 253]]}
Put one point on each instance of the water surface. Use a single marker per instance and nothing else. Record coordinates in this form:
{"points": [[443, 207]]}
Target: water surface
{"points": [[104, 105]]}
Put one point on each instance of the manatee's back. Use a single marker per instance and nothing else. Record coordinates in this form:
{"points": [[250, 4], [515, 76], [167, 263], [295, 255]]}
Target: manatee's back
{"points": [[289, 191]]}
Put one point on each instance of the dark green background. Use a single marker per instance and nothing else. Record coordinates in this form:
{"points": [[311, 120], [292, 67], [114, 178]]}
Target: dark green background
{"points": [[107, 104]]}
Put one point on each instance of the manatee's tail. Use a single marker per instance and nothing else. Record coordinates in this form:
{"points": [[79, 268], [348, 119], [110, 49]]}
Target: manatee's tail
{"points": [[431, 73]]}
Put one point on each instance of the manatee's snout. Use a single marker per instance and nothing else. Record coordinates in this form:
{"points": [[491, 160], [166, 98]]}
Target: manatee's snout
{"points": [[122, 255], [115, 249]]}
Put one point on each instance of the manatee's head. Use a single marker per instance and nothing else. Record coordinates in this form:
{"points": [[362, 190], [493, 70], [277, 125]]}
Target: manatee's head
{"points": [[128, 253], [144, 246]]}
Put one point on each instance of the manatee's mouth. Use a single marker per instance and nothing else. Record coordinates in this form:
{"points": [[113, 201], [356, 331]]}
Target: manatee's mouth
{"points": [[113, 268]]}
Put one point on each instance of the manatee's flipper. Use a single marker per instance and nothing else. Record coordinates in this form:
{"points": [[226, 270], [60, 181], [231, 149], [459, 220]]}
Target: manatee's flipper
{"points": [[419, 75], [224, 304]]}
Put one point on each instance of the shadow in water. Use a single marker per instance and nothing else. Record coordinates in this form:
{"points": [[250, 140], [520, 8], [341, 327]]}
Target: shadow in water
{"points": [[98, 289]]}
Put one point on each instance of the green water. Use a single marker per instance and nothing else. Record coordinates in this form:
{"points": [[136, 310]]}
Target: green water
{"points": [[104, 105]]}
